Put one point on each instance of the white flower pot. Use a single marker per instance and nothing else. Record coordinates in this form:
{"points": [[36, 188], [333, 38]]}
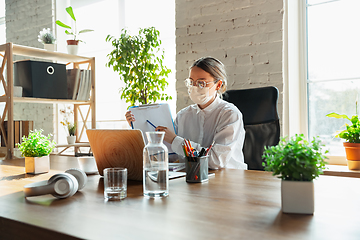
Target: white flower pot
{"points": [[72, 49], [49, 47], [36, 165], [297, 197], [71, 139]]}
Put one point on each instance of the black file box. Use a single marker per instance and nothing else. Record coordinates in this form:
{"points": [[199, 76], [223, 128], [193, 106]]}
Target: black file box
{"points": [[41, 79]]}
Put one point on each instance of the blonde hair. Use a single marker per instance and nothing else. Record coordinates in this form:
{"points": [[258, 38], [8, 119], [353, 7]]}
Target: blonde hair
{"points": [[215, 68]]}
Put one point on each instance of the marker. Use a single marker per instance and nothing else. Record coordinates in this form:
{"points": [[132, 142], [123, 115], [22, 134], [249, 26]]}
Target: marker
{"points": [[151, 123], [202, 152]]}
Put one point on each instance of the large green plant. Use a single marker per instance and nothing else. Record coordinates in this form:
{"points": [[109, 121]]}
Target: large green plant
{"points": [[36, 144], [139, 61], [74, 32], [352, 132], [295, 159]]}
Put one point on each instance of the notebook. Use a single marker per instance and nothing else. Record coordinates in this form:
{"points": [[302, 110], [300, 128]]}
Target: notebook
{"points": [[120, 148]]}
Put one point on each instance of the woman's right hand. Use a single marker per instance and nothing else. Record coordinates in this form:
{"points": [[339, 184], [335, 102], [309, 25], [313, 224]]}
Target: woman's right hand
{"points": [[129, 117]]}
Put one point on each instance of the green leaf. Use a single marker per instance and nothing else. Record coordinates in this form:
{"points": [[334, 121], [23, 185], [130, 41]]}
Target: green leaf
{"points": [[69, 10], [85, 30], [335, 115], [61, 24]]}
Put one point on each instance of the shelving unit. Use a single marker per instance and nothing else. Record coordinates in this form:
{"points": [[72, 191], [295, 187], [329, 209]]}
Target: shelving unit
{"points": [[7, 51]]}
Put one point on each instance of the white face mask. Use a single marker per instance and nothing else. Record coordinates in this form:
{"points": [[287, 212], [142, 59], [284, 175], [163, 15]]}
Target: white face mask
{"points": [[200, 96]]}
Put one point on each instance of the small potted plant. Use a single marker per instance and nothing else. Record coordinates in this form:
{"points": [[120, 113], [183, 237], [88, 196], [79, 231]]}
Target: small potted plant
{"points": [[72, 43], [36, 149], [70, 127], [297, 162], [47, 38], [352, 137]]}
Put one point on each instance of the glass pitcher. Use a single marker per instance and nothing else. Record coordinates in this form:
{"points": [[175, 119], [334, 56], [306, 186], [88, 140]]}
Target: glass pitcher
{"points": [[155, 166]]}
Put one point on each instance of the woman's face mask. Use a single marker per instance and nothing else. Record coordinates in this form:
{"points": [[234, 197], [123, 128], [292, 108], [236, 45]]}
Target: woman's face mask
{"points": [[200, 96]]}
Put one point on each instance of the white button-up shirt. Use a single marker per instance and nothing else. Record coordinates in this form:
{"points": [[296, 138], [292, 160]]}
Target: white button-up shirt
{"points": [[221, 122]]}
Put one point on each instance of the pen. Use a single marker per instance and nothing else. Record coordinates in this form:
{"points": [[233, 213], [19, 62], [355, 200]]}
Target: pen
{"points": [[151, 123], [208, 150]]}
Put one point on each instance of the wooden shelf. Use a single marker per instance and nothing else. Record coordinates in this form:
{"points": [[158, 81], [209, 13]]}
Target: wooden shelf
{"points": [[7, 51], [44, 54], [45, 100]]}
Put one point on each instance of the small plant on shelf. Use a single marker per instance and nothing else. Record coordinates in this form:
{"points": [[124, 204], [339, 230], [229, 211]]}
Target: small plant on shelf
{"points": [[46, 36], [352, 132], [67, 112], [36, 144], [69, 30], [351, 135]]}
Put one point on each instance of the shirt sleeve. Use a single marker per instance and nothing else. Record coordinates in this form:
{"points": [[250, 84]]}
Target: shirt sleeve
{"points": [[229, 139]]}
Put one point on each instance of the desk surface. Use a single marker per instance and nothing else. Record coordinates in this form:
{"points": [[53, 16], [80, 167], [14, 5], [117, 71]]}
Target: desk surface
{"points": [[235, 204]]}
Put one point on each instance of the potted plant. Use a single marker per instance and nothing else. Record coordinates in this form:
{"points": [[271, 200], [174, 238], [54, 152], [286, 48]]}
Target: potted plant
{"points": [[297, 162], [139, 61], [47, 38], [72, 43], [36, 149], [70, 127], [352, 137]]}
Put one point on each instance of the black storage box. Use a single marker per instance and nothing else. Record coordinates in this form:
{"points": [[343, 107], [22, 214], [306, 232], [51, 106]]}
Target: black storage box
{"points": [[41, 79]]}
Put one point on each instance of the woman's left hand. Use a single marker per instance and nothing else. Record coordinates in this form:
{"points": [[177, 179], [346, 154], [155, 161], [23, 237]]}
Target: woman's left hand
{"points": [[169, 135]]}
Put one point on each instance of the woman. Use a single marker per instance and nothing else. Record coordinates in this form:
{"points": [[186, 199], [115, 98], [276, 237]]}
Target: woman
{"points": [[210, 119]]}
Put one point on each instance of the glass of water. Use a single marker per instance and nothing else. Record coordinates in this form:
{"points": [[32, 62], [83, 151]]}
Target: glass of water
{"points": [[115, 183]]}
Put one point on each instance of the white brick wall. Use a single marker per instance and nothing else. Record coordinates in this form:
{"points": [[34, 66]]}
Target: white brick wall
{"points": [[24, 20], [246, 35]]}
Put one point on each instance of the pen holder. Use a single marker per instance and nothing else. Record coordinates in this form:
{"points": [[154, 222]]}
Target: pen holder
{"points": [[197, 169]]}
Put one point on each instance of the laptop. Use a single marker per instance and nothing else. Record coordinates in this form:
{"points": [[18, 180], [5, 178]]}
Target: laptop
{"points": [[120, 148]]}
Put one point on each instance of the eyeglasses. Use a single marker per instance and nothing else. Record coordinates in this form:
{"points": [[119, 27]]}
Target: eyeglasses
{"points": [[198, 83]]}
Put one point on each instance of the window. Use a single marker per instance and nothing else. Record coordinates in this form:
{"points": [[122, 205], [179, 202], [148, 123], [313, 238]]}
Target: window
{"points": [[109, 17], [333, 72]]}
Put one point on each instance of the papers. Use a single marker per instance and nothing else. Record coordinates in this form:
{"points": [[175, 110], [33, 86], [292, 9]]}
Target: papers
{"points": [[176, 166], [157, 114]]}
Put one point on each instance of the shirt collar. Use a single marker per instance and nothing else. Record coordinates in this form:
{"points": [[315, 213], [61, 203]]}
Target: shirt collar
{"points": [[209, 108]]}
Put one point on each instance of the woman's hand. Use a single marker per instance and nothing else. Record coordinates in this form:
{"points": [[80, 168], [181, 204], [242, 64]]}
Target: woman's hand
{"points": [[169, 135], [129, 117]]}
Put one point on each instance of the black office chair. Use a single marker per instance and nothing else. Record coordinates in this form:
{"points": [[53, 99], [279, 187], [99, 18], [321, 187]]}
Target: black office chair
{"points": [[261, 121]]}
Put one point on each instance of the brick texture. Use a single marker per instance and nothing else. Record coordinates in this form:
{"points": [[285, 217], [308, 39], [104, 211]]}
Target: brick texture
{"points": [[24, 20], [246, 35]]}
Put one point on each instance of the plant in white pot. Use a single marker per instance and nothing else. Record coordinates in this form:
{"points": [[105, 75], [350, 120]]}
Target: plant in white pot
{"points": [[47, 38], [72, 43], [36, 149], [297, 162], [67, 112]]}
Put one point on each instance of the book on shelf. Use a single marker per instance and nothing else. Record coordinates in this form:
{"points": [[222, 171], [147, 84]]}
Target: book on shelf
{"points": [[73, 76], [84, 86], [79, 84]]}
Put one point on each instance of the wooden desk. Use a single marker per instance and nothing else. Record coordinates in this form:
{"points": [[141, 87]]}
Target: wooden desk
{"points": [[235, 204]]}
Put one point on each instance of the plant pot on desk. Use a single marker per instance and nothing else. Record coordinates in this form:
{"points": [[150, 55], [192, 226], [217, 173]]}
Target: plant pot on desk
{"points": [[37, 165], [352, 151], [297, 196], [73, 46]]}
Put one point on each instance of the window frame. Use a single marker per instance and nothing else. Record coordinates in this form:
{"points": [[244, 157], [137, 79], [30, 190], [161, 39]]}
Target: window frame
{"points": [[295, 109]]}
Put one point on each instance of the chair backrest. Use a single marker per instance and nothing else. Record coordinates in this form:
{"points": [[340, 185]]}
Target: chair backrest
{"points": [[261, 121]]}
